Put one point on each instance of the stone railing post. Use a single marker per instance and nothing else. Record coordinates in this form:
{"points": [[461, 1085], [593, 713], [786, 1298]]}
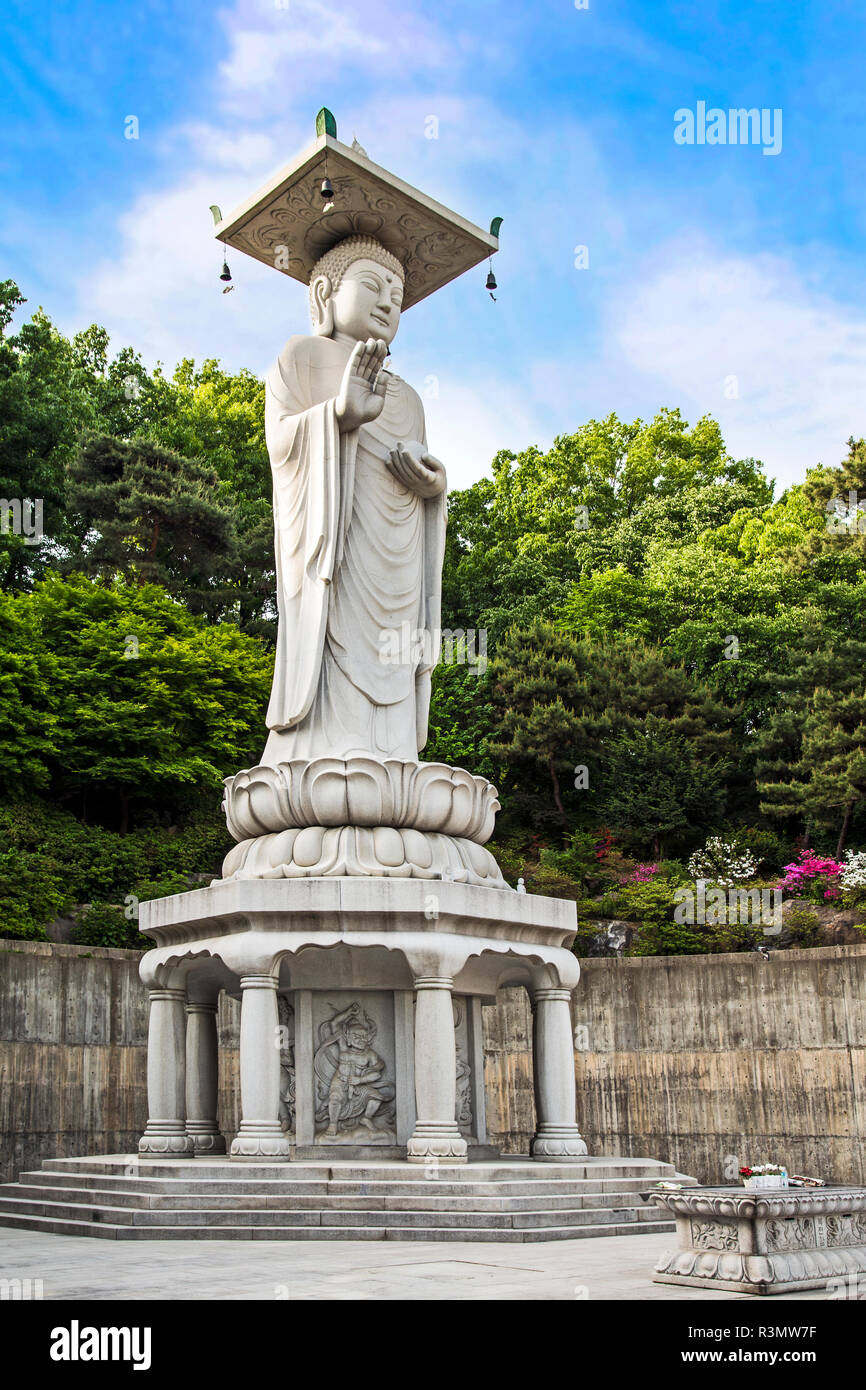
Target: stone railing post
{"points": [[202, 1074], [436, 1135], [260, 1134], [165, 1133], [557, 1138]]}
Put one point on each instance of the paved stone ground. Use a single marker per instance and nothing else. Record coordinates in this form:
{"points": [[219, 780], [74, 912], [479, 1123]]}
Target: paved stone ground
{"points": [[607, 1268]]}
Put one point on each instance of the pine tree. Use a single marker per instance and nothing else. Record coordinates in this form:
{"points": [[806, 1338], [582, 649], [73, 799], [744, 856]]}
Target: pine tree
{"points": [[811, 754], [152, 516], [621, 710]]}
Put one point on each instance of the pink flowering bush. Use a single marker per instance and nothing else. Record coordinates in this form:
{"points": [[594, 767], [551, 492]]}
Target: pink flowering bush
{"points": [[813, 876], [642, 873]]}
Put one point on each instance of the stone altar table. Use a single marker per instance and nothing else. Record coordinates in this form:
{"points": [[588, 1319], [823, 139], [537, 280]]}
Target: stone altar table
{"points": [[765, 1242]]}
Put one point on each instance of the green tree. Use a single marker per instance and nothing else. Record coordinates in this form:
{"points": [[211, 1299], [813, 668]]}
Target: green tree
{"points": [[43, 409], [461, 719], [518, 542], [661, 785], [149, 707], [589, 713], [811, 748], [152, 516], [811, 751]]}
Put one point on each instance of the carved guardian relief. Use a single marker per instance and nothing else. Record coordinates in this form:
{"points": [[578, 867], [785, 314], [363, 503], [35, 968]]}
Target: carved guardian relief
{"points": [[353, 1062], [463, 1114], [846, 1230], [287, 1064]]}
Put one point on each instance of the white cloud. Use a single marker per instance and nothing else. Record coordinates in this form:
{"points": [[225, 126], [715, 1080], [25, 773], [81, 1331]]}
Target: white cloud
{"points": [[161, 291], [247, 150], [469, 423], [305, 41], [702, 316]]}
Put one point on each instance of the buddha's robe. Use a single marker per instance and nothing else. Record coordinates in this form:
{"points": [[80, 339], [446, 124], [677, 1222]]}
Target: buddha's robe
{"points": [[358, 557]]}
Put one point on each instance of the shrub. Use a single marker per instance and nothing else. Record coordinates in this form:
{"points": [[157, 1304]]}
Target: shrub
{"points": [[812, 876], [30, 897], [105, 924], [804, 926], [667, 938], [768, 849], [653, 904], [553, 884], [642, 873], [852, 879], [511, 860], [610, 904], [51, 860], [582, 859], [21, 929], [720, 861], [650, 902]]}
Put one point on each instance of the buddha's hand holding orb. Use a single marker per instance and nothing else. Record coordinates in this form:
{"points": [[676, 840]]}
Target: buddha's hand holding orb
{"points": [[417, 470]]}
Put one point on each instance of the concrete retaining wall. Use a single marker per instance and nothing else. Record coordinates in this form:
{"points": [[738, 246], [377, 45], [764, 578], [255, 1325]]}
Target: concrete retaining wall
{"points": [[705, 1061], [715, 1061]]}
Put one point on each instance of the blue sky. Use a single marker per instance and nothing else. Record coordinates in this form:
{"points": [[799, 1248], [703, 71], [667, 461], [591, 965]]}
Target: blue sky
{"points": [[720, 279]]}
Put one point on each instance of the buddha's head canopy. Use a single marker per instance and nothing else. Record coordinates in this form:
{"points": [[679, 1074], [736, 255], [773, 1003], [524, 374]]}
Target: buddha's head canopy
{"points": [[332, 205]]}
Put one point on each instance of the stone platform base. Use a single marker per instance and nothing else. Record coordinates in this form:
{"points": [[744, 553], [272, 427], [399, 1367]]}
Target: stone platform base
{"points": [[359, 1154], [124, 1197], [772, 1241]]}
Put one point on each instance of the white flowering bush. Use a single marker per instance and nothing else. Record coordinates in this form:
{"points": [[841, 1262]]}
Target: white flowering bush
{"points": [[853, 874], [723, 863]]}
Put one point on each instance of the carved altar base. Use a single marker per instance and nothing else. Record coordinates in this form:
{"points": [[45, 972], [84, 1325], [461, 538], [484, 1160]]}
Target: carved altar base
{"points": [[360, 1027], [765, 1242]]}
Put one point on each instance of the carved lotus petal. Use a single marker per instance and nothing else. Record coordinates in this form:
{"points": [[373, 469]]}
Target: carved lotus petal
{"points": [[429, 797], [320, 851], [370, 793], [323, 789], [433, 798]]}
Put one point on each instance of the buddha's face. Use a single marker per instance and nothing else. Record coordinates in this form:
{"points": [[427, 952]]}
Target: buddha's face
{"points": [[367, 303]]}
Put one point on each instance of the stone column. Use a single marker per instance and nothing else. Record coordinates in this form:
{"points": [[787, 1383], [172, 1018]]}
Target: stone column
{"points": [[436, 1134], [260, 1135], [202, 1072], [557, 1139], [166, 1048]]}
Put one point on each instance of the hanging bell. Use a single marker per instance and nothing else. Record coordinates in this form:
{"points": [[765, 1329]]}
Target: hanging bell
{"points": [[327, 189], [491, 281], [225, 273]]}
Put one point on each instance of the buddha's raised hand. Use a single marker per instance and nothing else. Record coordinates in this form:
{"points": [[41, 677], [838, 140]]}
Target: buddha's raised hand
{"points": [[362, 390]]}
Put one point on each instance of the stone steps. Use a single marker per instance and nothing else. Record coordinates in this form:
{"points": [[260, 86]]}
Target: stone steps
{"points": [[122, 1198], [255, 1216], [105, 1231], [393, 1200], [443, 1188]]}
